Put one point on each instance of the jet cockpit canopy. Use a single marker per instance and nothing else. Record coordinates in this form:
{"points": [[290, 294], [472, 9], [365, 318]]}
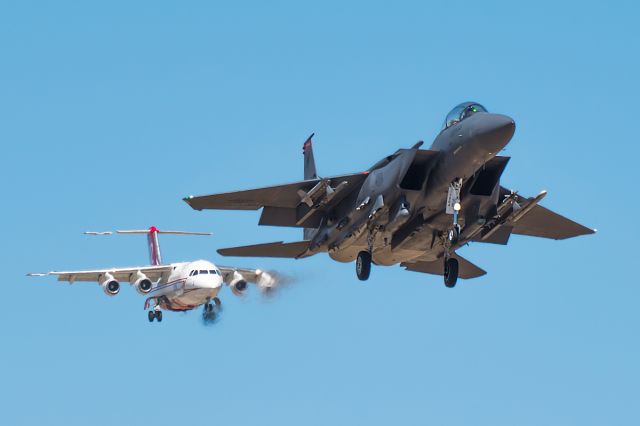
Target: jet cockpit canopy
{"points": [[462, 111]]}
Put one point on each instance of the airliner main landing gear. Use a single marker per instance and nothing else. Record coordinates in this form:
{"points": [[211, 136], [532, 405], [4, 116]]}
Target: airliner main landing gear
{"points": [[155, 314]]}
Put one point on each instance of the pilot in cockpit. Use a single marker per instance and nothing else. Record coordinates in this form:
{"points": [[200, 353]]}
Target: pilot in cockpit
{"points": [[462, 111]]}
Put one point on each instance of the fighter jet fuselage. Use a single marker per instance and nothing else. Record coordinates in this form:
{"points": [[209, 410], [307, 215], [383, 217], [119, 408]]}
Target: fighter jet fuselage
{"points": [[408, 194]]}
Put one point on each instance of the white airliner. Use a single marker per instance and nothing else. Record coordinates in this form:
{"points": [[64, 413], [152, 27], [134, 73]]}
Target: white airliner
{"points": [[182, 286]]}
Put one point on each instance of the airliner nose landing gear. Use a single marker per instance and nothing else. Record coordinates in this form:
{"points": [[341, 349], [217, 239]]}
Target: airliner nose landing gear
{"points": [[211, 310]]}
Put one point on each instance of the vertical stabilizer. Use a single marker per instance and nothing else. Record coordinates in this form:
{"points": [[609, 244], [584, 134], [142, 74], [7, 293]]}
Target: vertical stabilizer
{"points": [[155, 257], [309, 161], [309, 173]]}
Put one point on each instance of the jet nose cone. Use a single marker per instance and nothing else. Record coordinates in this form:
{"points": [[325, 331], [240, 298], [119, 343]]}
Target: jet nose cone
{"points": [[494, 131]]}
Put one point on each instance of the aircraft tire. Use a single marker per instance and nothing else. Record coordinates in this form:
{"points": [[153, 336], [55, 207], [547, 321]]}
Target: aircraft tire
{"points": [[159, 316], [363, 265], [151, 315], [217, 301], [450, 272]]}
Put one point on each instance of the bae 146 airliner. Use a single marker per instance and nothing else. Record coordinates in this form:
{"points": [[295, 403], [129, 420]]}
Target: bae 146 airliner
{"points": [[181, 286]]}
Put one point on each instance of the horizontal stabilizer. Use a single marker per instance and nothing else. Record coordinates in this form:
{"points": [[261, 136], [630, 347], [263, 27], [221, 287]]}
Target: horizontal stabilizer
{"points": [[466, 269], [278, 249]]}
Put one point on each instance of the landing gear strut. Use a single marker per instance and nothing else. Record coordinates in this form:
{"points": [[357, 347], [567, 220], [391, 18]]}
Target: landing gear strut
{"points": [[453, 207], [450, 272], [363, 265], [154, 313], [453, 234]]}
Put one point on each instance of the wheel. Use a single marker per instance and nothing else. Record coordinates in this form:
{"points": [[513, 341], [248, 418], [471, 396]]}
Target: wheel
{"points": [[159, 316], [208, 317], [363, 265], [152, 315], [217, 301], [208, 307], [450, 272], [453, 235]]}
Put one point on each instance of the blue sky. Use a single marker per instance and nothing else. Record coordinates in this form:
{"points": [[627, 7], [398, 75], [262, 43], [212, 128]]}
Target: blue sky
{"points": [[111, 113]]}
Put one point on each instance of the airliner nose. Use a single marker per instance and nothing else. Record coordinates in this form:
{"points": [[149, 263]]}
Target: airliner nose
{"points": [[494, 131]]}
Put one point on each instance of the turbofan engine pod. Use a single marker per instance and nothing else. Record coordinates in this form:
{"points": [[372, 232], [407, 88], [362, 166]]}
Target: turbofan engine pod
{"points": [[110, 285]]}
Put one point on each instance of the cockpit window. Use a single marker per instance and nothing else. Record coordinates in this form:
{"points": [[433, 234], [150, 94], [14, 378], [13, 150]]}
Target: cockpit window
{"points": [[461, 112], [204, 272], [195, 272], [213, 272]]}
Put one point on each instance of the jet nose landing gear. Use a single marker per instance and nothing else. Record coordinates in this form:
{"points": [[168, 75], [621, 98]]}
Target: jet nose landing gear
{"points": [[450, 272]]}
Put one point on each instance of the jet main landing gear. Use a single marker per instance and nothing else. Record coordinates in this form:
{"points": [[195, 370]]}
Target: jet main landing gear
{"points": [[363, 265]]}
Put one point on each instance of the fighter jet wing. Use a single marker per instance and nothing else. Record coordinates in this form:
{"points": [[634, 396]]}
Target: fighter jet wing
{"points": [[120, 274], [466, 269], [542, 222], [282, 196]]}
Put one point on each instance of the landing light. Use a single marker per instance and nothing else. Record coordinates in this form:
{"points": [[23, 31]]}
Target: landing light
{"points": [[457, 207]]}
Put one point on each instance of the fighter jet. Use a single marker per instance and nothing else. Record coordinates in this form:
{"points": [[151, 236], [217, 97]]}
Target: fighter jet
{"points": [[415, 207]]}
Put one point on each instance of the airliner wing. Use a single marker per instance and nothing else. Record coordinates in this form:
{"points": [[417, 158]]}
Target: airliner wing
{"points": [[120, 274]]}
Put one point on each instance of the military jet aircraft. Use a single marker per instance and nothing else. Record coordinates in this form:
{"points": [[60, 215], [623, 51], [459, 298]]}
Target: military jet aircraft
{"points": [[415, 207]]}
